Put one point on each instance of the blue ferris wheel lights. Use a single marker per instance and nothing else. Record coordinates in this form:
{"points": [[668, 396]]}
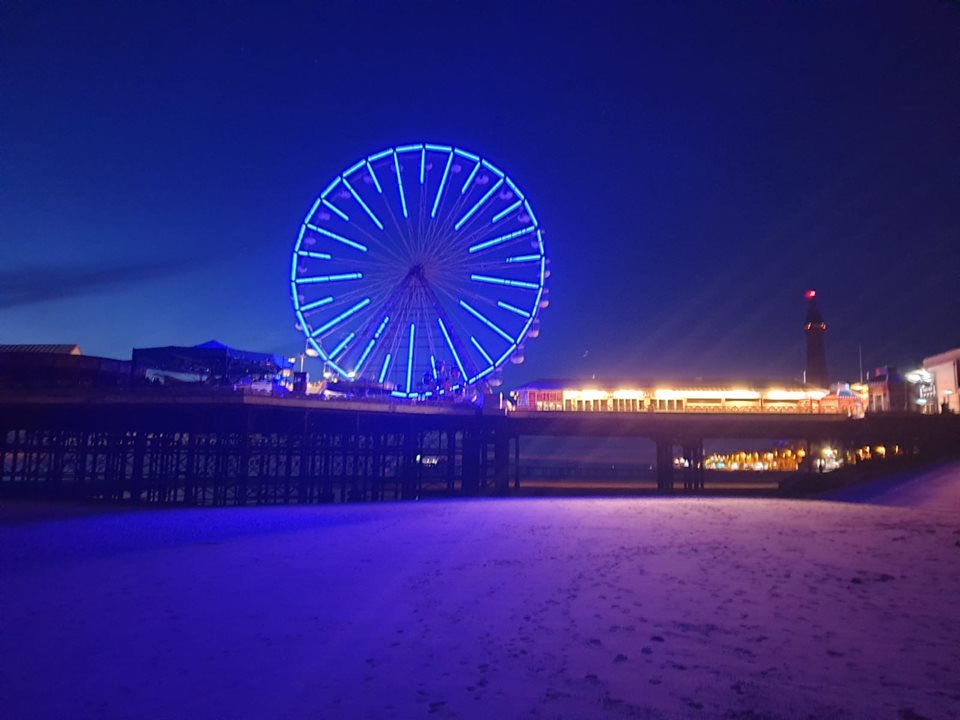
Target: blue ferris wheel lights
{"points": [[349, 329], [314, 255], [364, 356], [327, 191], [328, 278], [478, 346], [479, 204], [341, 345], [318, 303], [338, 238], [383, 370], [373, 176], [338, 211], [504, 281], [403, 198], [468, 155], [533, 218], [446, 335], [486, 321], [356, 197], [443, 182], [514, 188], [494, 169], [513, 309], [353, 168], [470, 177], [502, 239], [413, 328], [503, 213], [341, 317]]}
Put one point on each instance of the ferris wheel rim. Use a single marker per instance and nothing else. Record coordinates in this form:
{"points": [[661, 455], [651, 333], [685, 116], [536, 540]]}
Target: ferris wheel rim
{"points": [[347, 179]]}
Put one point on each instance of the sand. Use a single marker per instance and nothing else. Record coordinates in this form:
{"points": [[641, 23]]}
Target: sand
{"points": [[540, 608]]}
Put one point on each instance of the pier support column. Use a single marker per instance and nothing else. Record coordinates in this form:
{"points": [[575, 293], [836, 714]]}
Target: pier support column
{"points": [[501, 461], [470, 463], [664, 465], [516, 462], [693, 473]]}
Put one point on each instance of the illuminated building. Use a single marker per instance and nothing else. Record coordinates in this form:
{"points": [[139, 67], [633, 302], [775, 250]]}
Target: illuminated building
{"points": [[814, 329], [590, 396], [945, 369]]}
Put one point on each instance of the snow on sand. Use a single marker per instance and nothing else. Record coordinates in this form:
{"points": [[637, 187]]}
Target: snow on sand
{"points": [[572, 608]]}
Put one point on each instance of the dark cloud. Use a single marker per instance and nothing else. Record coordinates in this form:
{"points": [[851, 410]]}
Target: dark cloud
{"points": [[35, 284]]}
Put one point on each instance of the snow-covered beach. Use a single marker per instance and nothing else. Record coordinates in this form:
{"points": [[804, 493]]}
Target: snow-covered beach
{"points": [[543, 608]]}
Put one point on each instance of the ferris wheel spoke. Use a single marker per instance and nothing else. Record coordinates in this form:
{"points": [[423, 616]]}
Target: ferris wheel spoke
{"points": [[486, 244], [480, 203], [504, 281], [486, 321], [512, 308], [335, 236], [503, 213], [366, 208], [443, 184], [340, 318]]}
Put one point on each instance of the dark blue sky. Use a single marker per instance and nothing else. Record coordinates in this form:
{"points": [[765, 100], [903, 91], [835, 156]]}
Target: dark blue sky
{"points": [[696, 167]]}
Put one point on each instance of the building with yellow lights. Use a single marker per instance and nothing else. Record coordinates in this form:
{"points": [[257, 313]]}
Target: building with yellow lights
{"points": [[595, 396]]}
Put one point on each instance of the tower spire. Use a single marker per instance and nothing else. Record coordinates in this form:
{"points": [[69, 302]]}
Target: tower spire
{"points": [[814, 329]]}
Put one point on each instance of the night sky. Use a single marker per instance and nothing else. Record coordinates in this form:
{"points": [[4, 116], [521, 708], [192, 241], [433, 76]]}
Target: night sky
{"points": [[696, 167]]}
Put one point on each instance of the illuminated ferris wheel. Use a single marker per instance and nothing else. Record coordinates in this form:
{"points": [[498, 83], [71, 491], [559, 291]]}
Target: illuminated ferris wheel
{"points": [[419, 269]]}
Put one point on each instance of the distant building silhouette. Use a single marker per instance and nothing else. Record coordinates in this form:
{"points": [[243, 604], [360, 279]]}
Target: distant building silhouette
{"points": [[815, 328]]}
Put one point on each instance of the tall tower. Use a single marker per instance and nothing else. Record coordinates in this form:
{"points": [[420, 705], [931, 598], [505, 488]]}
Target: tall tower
{"points": [[815, 328]]}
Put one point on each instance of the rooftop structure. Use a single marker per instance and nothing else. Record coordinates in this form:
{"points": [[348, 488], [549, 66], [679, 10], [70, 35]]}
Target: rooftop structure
{"points": [[681, 397]]}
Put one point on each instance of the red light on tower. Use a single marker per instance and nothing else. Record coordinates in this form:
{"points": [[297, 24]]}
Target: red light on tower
{"points": [[810, 294]]}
